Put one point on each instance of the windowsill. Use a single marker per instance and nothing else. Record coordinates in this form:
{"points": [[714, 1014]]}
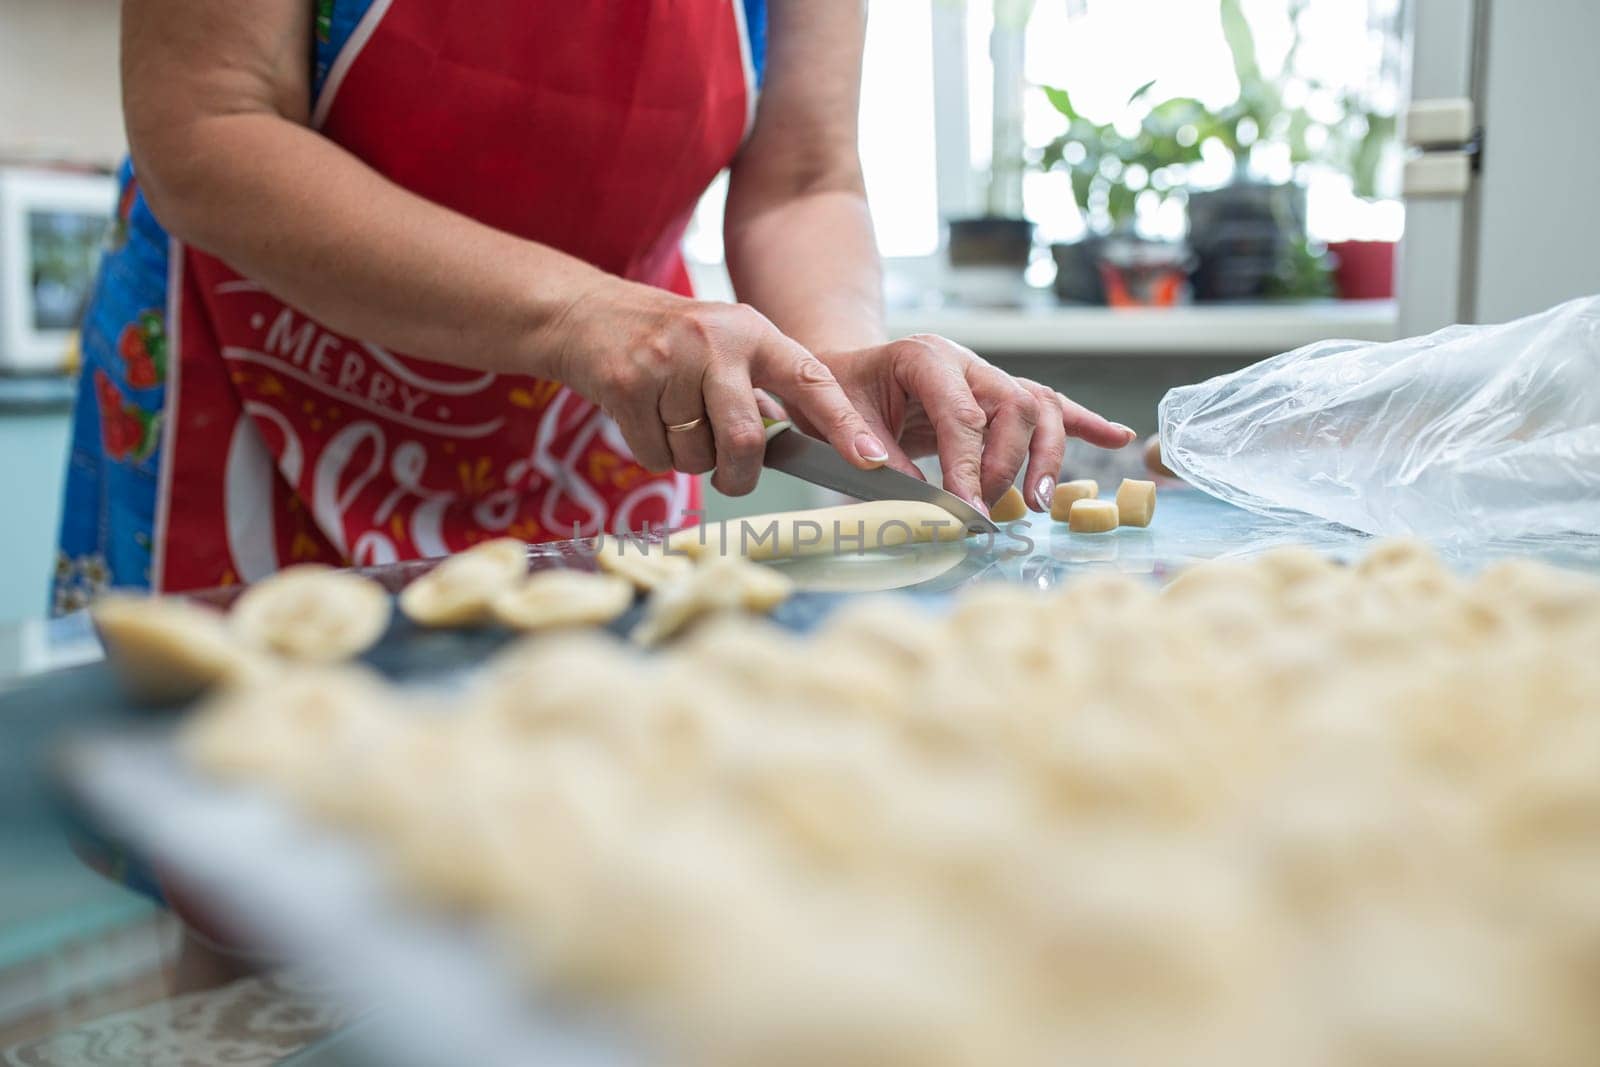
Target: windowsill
{"points": [[1042, 327], [1049, 329]]}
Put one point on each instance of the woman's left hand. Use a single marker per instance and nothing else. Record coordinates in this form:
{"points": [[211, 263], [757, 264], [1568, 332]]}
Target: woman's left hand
{"points": [[925, 395]]}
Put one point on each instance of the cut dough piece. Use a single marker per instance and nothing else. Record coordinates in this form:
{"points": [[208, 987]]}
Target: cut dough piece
{"points": [[312, 613], [1136, 502], [1152, 457], [1092, 516], [1068, 494], [646, 565], [1010, 507], [721, 584], [165, 651], [556, 598], [459, 591], [861, 527]]}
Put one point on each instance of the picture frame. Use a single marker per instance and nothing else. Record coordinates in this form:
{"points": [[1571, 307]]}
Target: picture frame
{"points": [[53, 227]]}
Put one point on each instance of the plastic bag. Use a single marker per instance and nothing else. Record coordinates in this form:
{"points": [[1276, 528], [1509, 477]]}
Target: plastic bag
{"points": [[1470, 433]]}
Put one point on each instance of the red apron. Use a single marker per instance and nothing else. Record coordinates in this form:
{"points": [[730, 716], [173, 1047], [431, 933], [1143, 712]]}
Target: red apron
{"points": [[587, 126]]}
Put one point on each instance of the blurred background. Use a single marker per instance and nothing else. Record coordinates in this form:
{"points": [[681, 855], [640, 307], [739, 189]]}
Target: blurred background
{"points": [[1115, 197], [1111, 196], [1096, 121]]}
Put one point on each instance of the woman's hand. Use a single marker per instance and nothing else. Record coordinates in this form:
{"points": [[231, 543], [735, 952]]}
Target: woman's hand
{"points": [[924, 395], [799, 243], [680, 377]]}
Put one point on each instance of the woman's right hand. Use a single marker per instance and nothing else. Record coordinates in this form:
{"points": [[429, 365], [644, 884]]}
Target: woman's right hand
{"points": [[679, 377]]}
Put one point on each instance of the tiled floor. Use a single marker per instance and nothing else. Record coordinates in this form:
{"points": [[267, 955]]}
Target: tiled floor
{"points": [[251, 1022], [110, 999], [73, 986]]}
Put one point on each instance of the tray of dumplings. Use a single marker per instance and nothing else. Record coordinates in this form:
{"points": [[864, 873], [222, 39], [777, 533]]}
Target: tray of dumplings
{"points": [[1300, 806]]}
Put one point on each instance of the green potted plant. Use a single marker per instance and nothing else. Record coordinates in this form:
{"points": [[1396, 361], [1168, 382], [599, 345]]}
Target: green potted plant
{"points": [[1110, 173], [1243, 232], [1249, 236]]}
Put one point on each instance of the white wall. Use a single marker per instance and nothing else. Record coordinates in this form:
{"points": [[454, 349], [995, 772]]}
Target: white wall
{"points": [[59, 99], [59, 94], [1539, 214]]}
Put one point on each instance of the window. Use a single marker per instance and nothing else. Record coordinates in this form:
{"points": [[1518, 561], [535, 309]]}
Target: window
{"points": [[927, 93], [897, 139], [1331, 61]]}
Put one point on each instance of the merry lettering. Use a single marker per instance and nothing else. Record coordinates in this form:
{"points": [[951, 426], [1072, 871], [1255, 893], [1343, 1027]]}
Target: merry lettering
{"points": [[342, 367]]}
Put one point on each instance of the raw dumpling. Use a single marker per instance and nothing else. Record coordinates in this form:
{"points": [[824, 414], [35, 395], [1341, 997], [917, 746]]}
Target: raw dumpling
{"points": [[459, 591], [312, 613], [723, 584], [166, 650], [301, 728], [645, 564], [556, 598]]}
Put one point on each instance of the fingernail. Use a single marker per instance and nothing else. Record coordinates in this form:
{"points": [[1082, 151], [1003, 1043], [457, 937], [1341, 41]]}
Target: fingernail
{"points": [[977, 501], [1044, 491], [871, 449], [1127, 431]]}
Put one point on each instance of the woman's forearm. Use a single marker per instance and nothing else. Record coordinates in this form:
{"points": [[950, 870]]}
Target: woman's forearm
{"points": [[298, 214], [810, 264], [797, 232]]}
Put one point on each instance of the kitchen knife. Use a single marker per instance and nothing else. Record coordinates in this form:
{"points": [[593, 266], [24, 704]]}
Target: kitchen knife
{"points": [[815, 461]]}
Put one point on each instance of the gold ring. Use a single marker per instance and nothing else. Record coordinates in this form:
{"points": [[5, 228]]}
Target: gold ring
{"points": [[685, 427]]}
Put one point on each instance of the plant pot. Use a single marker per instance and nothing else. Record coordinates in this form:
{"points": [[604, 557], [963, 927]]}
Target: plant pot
{"points": [[1364, 270], [991, 241], [1240, 234], [1122, 271], [988, 256], [1137, 272], [1078, 272]]}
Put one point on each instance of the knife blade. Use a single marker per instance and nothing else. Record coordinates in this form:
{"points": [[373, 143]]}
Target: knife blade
{"points": [[817, 462]]}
